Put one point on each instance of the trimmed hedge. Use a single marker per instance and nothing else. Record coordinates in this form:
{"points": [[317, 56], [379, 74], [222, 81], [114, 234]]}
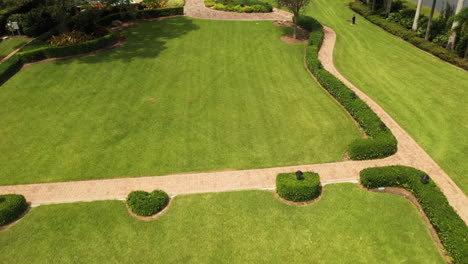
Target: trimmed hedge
{"points": [[145, 204], [142, 14], [452, 230], [381, 142], [292, 189], [11, 207], [14, 64], [55, 52], [409, 35]]}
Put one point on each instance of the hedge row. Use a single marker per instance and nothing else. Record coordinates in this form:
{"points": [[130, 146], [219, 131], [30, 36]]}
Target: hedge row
{"points": [[409, 35], [11, 207], [145, 204], [452, 230], [381, 142], [14, 64], [293, 189], [142, 14]]}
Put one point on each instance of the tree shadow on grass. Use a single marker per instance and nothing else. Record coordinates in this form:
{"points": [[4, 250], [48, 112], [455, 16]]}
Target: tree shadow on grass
{"points": [[145, 40]]}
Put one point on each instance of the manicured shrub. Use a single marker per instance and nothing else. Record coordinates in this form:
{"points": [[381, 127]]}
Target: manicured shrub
{"points": [[292, 189], [408, 35], [452, 230], [240, 6], [11, 207], [145, 204], [35, 22], [381, 142]]}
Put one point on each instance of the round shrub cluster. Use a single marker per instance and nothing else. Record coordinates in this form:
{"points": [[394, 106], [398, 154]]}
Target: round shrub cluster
{"points": [[292, 189], [11, 207], [145, 204]]}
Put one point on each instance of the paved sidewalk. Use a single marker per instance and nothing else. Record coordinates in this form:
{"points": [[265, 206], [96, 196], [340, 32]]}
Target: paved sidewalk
{"points": [[197, 9], [409, 154]]}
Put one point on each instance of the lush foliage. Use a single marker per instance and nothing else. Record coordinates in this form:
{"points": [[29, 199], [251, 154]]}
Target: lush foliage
{"points": [[452, 231], [145, 204], [114, 131], [35, 22], [11, 207], [240, 6], [69, 38], [293, 189], [228, 227], [142, 14], [409, 36], [381, 143], [14, 8]]}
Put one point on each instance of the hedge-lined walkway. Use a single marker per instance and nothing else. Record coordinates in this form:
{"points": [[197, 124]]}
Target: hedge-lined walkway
{"points": [[197, 9], [409, 154]]}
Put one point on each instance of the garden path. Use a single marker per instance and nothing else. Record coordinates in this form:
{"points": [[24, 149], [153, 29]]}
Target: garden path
{"points": [[409, 154]]}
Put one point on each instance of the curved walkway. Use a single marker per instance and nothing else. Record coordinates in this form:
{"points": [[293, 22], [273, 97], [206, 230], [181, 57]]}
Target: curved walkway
{"points": [[197, 9], [409, 154]]}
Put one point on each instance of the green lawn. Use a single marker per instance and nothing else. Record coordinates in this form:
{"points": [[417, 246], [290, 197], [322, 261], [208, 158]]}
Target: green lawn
{"points": [[9, 45], [348, 225], [422, 93], [181, 95]]}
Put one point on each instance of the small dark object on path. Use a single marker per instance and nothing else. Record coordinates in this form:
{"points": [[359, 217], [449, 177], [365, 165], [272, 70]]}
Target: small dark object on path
{"points": [[425, 179], [354, 19], [299, 175]]}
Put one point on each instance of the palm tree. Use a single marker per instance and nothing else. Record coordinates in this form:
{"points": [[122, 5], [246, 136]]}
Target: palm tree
{"points": [[389, 7], [453, 35], [462, 25], [416, 16], [429, 23]]}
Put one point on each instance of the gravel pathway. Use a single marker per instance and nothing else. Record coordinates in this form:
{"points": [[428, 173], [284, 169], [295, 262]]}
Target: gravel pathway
{"points": [[409, 154]]}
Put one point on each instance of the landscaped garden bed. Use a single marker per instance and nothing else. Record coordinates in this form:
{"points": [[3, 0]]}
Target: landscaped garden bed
{"points": [[240, 6]]}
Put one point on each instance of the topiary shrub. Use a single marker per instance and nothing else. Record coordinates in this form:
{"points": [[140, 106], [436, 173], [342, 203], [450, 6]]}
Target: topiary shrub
{"points": [[452, 230], [11, 207], [145, 204], [289, 187]]}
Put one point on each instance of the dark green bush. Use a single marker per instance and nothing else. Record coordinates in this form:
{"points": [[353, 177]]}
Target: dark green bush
{"points": [[240, 6], [11, 207], [35, 22], [451, 229], [142, 14], [292, 189], [145, 204], [410, 36], [381, 142], [21, 7]]}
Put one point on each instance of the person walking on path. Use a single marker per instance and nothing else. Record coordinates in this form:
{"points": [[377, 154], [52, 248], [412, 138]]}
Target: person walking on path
{"points": [[354, 19]]}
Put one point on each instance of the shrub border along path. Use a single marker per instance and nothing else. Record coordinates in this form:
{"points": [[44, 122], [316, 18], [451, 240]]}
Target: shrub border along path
{"points": [[409, 154]]}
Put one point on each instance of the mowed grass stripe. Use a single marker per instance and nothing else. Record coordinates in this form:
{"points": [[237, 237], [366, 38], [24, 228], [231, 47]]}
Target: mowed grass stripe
{"points": [[181, 95]]}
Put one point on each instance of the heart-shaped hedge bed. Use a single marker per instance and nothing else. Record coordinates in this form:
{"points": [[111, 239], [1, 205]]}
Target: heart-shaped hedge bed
{"points": [[145, 204]]}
